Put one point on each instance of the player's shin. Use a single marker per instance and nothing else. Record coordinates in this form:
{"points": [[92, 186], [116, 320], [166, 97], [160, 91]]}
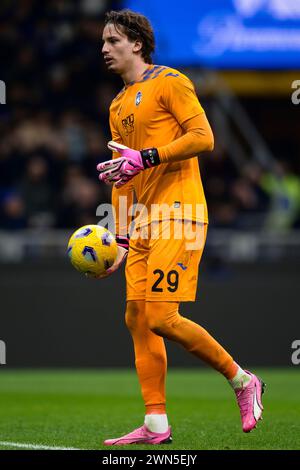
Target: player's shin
{"points": [[151, 366]]}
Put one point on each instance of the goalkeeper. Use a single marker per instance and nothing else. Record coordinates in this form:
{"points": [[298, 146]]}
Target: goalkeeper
{"points": [[158, 127]]}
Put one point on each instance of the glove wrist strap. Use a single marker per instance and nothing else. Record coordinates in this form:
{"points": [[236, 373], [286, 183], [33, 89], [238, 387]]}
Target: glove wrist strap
{"points": [[150, 157], [122, 241]]}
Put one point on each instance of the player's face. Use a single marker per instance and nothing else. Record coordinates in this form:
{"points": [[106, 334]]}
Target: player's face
{"points": [[117, 50]]}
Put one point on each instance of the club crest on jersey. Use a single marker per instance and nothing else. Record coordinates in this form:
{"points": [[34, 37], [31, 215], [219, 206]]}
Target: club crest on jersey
{"points": [[138, 98]]}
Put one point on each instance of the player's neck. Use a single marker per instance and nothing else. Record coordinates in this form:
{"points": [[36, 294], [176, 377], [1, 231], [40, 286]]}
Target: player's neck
{"points": [[135, 72]]}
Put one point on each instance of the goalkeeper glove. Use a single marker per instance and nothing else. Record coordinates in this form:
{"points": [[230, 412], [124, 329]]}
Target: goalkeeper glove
{"points": [[123, 247], [132, 162]]}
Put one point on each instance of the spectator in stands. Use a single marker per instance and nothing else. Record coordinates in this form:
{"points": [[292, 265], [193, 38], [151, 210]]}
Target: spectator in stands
{"points": [[12, 212], [283, 187], [37, 195]]}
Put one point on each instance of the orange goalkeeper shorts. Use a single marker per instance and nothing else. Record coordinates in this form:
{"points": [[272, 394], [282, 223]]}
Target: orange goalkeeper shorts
{"points": [[163, 261]]}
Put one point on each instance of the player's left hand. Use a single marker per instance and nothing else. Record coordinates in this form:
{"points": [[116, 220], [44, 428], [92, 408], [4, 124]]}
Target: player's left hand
{"points": [[123, 247], [132, 162]]}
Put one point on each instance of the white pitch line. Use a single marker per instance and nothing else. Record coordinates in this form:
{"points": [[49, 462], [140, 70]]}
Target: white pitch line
{"points": [[34, 446]]}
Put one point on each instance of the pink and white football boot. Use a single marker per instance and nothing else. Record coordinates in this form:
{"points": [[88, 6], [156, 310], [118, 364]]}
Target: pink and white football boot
{"points": [[249, 402], [141, 435]]}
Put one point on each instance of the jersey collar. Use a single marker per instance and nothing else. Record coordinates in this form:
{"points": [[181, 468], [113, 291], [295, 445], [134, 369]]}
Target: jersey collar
{"points": [[145, 75]]}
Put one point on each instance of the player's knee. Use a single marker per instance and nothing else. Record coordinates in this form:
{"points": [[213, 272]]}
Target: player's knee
{"points": [[157, 326], [164, 328], [133, 310], [160, 317]]}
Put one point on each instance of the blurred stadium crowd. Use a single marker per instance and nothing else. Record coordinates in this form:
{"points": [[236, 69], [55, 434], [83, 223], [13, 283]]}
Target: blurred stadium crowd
{"points": [[54, 129]]}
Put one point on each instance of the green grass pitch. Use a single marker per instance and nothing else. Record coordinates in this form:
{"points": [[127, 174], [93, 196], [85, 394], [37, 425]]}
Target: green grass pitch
{"points": [[80, 409]]}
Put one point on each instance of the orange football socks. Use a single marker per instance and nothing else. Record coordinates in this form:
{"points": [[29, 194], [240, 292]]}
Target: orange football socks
{"points": [[149, 323], [150, 358], [164, 319]]}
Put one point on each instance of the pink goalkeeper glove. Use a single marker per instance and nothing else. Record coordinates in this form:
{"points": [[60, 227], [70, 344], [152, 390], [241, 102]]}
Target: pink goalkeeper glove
{"points": [[123, 247], [122, 169]]}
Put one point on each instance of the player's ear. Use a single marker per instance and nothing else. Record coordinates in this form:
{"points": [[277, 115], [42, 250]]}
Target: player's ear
{"points": [[137, 45]]}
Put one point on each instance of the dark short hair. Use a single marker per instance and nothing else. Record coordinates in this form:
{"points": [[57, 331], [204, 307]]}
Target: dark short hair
{"points": [[136, 27]]}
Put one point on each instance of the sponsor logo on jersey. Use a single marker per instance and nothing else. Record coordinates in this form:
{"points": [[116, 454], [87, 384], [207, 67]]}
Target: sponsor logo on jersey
{"points": [[128, 124]]}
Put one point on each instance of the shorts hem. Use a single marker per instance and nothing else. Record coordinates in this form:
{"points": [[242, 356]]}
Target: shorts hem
{"points": [[160, 299], [135, 297], [170, 299]]}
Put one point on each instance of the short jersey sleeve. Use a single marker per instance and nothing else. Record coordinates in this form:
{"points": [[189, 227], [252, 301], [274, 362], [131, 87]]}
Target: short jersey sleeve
{"points": [[179, 97]]}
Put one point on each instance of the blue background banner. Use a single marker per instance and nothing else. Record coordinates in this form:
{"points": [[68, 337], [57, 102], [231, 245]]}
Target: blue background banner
{"points": [[225, 33]]}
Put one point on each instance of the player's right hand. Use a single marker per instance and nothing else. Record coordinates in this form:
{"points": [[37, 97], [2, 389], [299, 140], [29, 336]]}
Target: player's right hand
{"points": [[131, 162]]}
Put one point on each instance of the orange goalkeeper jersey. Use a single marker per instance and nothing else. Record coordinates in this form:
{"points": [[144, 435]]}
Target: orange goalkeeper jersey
{"points": [[150, 113]]}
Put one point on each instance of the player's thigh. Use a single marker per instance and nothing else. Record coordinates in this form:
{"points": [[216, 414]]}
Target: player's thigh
{"points": [[135, 313], [173, 264], [136, 270], [160, 314]]}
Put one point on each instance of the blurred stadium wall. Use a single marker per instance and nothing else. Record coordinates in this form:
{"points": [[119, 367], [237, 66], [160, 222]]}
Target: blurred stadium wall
{"points": [[54, 129], [51, 316]]}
